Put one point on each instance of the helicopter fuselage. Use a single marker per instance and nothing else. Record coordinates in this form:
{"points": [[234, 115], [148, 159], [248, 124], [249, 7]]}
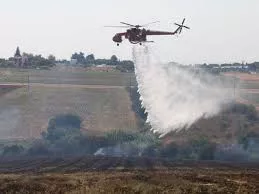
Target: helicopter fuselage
{"points": [[134, 35]]}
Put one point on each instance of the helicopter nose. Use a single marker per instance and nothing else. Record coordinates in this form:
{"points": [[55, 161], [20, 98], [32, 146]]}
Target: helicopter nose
{"points": [[117, 38]]}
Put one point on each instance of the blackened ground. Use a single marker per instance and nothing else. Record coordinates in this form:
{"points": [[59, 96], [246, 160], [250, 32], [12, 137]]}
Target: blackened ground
{"points": [[100, 163], [125, 175]]}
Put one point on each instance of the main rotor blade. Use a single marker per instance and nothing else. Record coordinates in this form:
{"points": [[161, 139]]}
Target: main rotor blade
{"points": [[116, 26], [150, 23], [183, 21], [127, 24], [186, 27]]}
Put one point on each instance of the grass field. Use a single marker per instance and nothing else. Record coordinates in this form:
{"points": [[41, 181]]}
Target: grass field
{"points": [[104, 104], [102, 109], [247, 87], [101, 99], [67, 76]]}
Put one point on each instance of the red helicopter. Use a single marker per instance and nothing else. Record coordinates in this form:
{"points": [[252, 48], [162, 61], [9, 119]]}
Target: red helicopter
{"points": [[135, 35]]}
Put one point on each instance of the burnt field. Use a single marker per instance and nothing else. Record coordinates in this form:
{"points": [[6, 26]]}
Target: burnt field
{"points": [[74, 164], [126, 175]]}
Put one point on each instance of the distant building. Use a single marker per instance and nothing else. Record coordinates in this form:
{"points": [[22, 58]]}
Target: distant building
{"points": [[73, 61], [102, 68], [18, 61]]}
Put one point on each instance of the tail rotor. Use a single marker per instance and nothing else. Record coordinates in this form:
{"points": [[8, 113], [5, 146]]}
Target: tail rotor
{"points": [[180, 27]]}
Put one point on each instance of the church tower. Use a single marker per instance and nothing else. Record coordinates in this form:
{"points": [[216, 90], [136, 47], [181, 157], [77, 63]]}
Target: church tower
{"points": [[18, 58]]}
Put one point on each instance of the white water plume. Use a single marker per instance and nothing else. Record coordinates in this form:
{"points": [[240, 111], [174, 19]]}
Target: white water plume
{"points": [[175, 97]]}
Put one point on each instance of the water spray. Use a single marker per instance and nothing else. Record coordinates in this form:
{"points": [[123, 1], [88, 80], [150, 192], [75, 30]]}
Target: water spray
{"points": [[176, 97]]}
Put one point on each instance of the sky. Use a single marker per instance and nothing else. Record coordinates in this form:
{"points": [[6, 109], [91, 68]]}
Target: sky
{"points": [[221, 31]]}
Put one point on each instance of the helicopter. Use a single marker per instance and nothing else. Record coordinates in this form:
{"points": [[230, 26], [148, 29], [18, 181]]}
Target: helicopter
{"points": [[137, 34]]}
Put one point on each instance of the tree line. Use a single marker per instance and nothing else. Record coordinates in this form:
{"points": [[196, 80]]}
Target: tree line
{"points": [[90, 60], [248, 66], [29, 60]]}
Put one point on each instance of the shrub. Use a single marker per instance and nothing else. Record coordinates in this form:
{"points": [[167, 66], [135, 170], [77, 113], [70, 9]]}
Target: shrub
{"points": [[169, 151], [13, 150], [119, 136], [207, 152], [244, 140], [39, 148], [136, 103], [61, 126], [248, 110], [92, 144], [231, 152], [151, 151], [203, 149]]}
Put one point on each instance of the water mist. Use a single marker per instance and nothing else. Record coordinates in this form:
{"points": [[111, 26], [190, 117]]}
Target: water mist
{"points": [[175, 97]]}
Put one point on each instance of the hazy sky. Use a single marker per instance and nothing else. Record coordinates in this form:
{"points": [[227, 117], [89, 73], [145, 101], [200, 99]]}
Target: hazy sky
{"points": [[221, 30]]}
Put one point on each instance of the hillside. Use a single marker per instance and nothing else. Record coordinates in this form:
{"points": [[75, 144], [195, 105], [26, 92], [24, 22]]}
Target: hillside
{"points": [[101, 99]]}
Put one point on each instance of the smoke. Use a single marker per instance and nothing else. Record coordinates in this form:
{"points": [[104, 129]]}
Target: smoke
{"points": [[7, 126], [173, 96]]}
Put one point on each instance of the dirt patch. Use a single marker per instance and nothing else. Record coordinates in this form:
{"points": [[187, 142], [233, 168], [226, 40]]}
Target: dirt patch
{"points": [[8, 88], [243, 76]]}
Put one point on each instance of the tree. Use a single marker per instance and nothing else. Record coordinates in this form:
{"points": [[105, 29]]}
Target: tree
{"points": [[204, 149], [52, 58], [169, 151], [113, 60], [79, 57], [61, 126], [125, 66], [74, 56], [39, 148], [90, 59], [31, 60]]}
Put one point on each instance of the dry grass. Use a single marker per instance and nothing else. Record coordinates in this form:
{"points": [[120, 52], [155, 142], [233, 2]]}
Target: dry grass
{"points": [[170, 181], [67, 76], [100, 98], [102, 109]]}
